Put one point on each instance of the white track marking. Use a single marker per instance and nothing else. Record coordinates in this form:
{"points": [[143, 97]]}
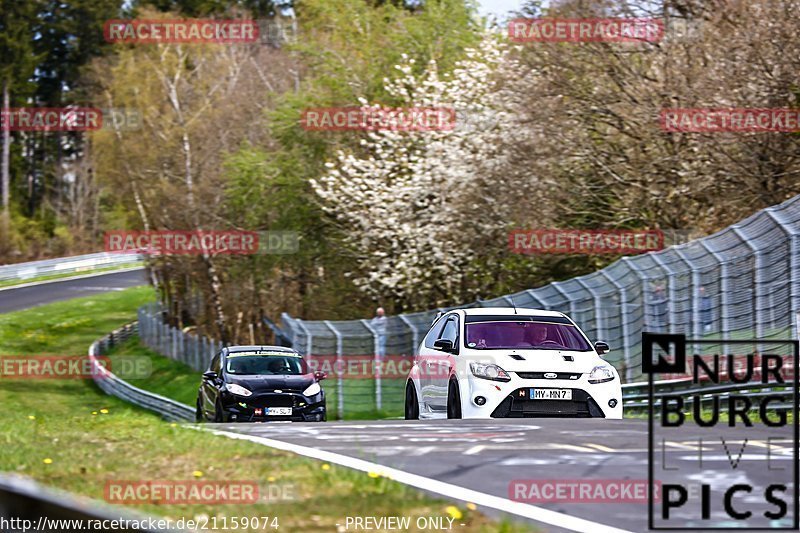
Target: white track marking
{"points": [[601, 447], [448, 490], [571, 448], [475, 450]]}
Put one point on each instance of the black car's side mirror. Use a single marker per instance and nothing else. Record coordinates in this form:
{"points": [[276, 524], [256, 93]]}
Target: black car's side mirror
{"points": [[445, 345], [601, 347], [210, 375], [319, 375]]}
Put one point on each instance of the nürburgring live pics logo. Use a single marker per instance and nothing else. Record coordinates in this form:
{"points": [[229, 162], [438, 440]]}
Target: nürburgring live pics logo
{"points": [[733, 441]]}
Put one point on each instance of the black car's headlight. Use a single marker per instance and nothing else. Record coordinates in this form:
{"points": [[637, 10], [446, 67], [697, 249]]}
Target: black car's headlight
{"points": [[493, 372], [312, 390], [238, 390], [601, 374]]}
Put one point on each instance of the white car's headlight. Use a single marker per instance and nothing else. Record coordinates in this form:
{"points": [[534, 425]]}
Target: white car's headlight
{"points": [[312, 389], [237, 389], [601, 374], [493, 372]]}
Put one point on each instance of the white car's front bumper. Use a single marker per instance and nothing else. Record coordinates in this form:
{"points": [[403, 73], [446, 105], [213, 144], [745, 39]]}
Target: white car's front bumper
{"points": [[601, 400]]}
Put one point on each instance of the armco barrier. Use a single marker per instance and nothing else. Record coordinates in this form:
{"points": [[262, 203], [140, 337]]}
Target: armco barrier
{"points": [[66, 265], [36, 508], [111, 384]]}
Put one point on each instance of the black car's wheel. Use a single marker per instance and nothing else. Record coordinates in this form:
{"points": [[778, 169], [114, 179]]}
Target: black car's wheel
{"points": [[412, 406], [198, 411], [219, 414], [453, 400]]}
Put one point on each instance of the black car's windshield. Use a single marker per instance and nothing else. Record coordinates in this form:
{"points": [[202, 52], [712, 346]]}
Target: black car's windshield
{"points": [[265, 365], [525, 335]]}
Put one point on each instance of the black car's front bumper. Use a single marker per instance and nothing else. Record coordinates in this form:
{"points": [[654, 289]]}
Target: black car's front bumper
{"points": [[254, 408]]}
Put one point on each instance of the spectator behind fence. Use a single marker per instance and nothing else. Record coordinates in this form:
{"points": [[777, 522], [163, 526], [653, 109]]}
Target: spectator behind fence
{"points": [[706, 319], [658, 302], [379, 325]]}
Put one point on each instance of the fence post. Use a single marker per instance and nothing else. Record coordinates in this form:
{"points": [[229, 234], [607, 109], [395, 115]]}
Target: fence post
{"points": [[339, 365], [376, 357]]}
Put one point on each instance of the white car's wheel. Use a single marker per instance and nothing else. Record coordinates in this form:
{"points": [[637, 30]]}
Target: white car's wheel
{"points": [[412, 405], [453, 400]]}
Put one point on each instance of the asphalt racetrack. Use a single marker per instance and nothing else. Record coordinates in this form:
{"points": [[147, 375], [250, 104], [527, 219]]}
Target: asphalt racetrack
{"points": [[487, 456], [18, 298]]}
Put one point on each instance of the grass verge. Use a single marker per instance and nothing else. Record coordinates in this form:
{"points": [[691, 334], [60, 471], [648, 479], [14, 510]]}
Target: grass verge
{"points": [[68, 434]]}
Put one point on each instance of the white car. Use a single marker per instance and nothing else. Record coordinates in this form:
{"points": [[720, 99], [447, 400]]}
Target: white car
{"points": [[505, 363]]}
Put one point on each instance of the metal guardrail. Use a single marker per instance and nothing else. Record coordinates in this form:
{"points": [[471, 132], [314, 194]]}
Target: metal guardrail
{"points": [[636, 396], [111, 384], [66, 265], [28, 506]]}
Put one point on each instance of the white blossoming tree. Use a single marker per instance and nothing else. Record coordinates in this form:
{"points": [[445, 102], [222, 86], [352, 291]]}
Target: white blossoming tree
{"points": [[417, 207]]}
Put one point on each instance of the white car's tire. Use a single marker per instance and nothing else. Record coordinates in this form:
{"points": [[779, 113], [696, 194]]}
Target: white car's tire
{"points": [[453, 399], [412, 404]]}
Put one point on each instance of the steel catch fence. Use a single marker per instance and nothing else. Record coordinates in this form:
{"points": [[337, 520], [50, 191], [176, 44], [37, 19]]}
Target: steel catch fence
{"points": [[742, 282]]}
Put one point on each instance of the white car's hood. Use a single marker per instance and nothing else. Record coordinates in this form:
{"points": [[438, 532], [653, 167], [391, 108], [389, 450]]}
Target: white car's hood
{"points": [[538, 360]]}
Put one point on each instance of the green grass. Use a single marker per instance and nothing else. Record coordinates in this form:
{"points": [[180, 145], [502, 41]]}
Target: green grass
{"points": [[68, 434], [48, 277]]}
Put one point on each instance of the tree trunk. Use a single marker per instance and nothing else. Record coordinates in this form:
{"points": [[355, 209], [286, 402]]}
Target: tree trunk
{"points": [[5, 178]]}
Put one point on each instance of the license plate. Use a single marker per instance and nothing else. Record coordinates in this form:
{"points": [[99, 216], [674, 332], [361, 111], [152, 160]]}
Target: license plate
{"points": [[551, 394], [279, 411]]}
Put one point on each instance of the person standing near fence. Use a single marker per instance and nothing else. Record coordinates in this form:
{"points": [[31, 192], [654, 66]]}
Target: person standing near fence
{"points": [[706, 319], [659, 308], [379, 325]]}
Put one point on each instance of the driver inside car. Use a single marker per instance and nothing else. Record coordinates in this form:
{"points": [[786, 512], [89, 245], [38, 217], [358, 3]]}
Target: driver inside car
{"points": [[537, 336]]}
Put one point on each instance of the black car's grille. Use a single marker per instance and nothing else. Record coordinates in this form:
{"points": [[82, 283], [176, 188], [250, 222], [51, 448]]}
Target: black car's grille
{"points": [[272, 400], [541, 375], [519, 405]]}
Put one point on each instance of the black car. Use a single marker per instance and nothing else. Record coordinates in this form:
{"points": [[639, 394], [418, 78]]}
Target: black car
{"points": [[260, 383]]}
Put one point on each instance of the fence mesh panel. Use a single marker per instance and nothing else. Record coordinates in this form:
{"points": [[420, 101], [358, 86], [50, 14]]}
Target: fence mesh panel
{"points": [[742, 282]]}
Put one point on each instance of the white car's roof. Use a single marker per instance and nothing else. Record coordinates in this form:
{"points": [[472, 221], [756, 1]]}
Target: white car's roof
{"points": [[510, 311]]}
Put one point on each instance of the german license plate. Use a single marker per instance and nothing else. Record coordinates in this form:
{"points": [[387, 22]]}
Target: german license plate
{"points": [[551, 394], [279, 411]]}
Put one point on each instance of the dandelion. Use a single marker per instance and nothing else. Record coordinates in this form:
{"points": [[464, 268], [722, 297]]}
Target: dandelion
{"points": [[454, 512], [197, 473], [471, 506], [104, 411], [326, 466], [94, 412], [31, 417], [270, 479], [173, 425], [47, 461], [373, 474]]}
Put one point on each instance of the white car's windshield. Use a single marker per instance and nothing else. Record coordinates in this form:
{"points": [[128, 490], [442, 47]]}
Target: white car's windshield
{"points": [[524, 333]]}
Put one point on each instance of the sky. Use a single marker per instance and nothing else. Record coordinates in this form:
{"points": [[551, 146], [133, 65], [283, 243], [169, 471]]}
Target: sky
{"points": [[498, 8]]}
